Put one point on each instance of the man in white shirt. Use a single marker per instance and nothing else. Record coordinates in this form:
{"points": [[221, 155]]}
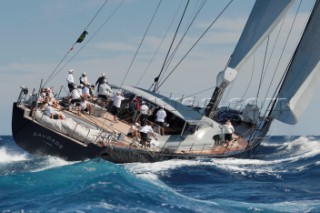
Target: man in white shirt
{"points": [[75, 96], [105, 90], [70, 80], [84, 79], [228, 130], [161, 116], [117, 99], [144, 112], [145, 130]]}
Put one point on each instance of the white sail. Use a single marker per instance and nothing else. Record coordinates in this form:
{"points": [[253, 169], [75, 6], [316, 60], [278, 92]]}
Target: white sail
{"points": [[302, 75], [263, 19]]}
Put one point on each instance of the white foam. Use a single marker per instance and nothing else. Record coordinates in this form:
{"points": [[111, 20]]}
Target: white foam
{"points": [[272, 164], [292, 206], [9, 156], [53, 162]]}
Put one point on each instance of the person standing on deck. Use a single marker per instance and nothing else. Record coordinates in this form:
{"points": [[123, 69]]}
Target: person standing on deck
{"points": [[70, 80], [117, 99], [228, 130], [83, 79], [161, 116], [75, 98], [144, 112], [101, 81], [105, 92]]}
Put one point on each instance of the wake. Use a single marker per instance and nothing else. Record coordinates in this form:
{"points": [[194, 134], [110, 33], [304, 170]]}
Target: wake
{"points": [[288, 156]]}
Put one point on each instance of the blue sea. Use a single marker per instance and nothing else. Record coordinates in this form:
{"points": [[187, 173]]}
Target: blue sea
{"points": [[283, 176]]}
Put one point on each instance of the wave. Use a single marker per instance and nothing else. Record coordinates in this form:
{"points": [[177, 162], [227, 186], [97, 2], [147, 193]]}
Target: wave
{"points": [[9, 156], [287, 158]]}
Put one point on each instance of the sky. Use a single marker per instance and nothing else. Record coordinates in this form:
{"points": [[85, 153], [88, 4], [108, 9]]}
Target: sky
{"points": [[37, 34]]}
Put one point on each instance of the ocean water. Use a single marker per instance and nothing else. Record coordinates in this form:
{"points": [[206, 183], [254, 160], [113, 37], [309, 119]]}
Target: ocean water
{"points": [[284, 176]]}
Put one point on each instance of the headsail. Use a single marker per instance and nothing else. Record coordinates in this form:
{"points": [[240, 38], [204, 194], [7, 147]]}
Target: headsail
{"points": [[302, 74], [264, 17]]}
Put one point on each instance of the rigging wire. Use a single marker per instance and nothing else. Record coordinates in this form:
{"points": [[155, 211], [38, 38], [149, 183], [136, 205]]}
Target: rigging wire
{"points": [[172, 41], [251, 77], [142, 40], [158, 48], [93, 36], [202, 91], [185, 33], [274, 45], [213, 22], [77, 41], [263, 67]]}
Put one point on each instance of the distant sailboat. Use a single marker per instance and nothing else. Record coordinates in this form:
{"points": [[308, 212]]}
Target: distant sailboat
{"points": [[189, 134]]}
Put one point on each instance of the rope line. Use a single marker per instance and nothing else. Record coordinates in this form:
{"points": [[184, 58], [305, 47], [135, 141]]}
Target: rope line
{"points": [[136, 53], [213, 22], [72, 47]]}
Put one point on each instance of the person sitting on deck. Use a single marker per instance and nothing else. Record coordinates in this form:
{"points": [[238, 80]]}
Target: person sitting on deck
{"points": [[47, 111], [134, 131], [228, 130], [86, 90], [75, 97], [91, 91], [52, 100], [145, 130], [85, 106]]}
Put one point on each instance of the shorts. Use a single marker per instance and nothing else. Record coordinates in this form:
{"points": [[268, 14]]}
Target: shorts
{"points": [[55, 116], [103, 97], [144, 136], [115, 110], [76, 101], [228, 136], [160, 123]]}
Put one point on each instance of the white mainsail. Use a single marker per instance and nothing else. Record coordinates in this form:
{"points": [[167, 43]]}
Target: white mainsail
{"points": [[264, 17], [302, 75]]}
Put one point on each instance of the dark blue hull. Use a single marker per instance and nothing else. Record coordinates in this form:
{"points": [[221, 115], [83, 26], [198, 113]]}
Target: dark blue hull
{"points": [[39, 140]]}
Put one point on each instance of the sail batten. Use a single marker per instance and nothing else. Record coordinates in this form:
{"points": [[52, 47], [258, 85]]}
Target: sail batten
{"points": [[302, 75]]}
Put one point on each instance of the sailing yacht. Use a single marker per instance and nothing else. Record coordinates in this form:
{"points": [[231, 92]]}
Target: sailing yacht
{"points": [[190, 133]]}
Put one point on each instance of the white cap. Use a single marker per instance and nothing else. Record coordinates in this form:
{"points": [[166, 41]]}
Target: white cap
{"points": [[84, 74], [70, 71], [103, 74]]}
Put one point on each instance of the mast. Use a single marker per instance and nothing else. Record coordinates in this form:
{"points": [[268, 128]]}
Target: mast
{"points": [[303, 73], [264, 17]]}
